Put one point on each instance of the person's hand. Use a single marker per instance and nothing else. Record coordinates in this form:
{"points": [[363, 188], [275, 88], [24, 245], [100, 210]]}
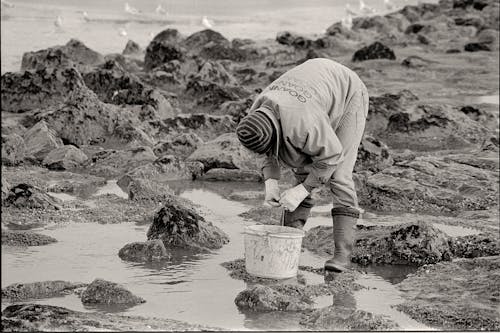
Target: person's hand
{"points": [[291, 198], [272, 197]]}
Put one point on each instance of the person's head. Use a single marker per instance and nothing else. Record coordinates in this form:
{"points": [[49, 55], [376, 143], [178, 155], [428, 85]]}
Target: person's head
{"points": [[256, 132]]}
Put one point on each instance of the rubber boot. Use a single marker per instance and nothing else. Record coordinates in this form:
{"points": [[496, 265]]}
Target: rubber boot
{"points": [[344, 222], [298, 218]]}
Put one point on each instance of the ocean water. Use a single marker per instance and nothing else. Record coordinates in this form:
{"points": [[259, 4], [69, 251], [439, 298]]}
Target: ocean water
{"points": [[29, 25]]}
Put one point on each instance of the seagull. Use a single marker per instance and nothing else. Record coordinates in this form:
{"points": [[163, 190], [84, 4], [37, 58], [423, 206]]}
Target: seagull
{"points": [[58, 22], [122, 32], [7, 4], [349, 11], [86, 16], [366, 10], [151, 35], [131, 10], [209, 24], [347, 22], [160, 10], [389, 5]]}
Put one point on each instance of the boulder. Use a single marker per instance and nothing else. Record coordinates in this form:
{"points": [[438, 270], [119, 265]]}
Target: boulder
{"points": [[45, 289], [475, 47], [376, 50], [46, 87], [180, 227], [211, 94], [131, 48], [64, 158], [160, 52], [415, 62], [150, 251], [109, 293], [264, 298], [181, 145], [24, 196], [130, 136], [24, 238], [40, 140], [292, 39], [209, 44], [373, 155], [13, 149], [144, 189], [199, 39], [214, 71], [74, 52], [225, 152], [473, 246]]}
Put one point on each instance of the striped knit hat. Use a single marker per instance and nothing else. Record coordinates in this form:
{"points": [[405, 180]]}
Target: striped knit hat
{"points": [[256, 132]]}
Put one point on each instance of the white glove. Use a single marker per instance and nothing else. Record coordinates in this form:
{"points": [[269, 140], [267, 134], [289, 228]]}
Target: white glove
{"points": [[272, 197], [291, 198]]}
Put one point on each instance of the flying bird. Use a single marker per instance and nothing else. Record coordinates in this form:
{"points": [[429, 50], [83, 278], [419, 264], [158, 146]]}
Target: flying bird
{"points": [[209, 24], [122, 32], [86, 16], [131, 10], [160, 10]]}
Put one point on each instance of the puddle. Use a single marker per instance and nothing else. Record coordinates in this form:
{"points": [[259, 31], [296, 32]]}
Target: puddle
{"points": [[111, 188], [456, 231], [192, 288]]}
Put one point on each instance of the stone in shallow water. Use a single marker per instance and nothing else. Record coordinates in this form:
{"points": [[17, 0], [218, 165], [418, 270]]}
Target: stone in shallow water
{"points": [[149, 251], [28, 196], [108, 293], [23, 238], [44, 289], [263, 298]]}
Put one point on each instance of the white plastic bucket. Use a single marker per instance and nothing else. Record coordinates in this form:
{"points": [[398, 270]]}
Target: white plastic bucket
{"points": [[272, 251]]}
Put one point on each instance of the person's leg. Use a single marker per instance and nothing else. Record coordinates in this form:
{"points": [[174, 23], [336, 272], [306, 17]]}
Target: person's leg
{"points": [[345, 211], [298, 218]]}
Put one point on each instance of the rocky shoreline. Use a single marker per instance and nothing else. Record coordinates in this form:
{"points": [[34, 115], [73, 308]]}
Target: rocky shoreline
{"points": [[73, 120]]}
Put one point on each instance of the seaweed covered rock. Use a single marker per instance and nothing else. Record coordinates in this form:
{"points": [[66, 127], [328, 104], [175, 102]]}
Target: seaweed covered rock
{"points": [[64, 158], [28, 196], [149, 251], [73, 53], [210, 44], [163, 48], [13, 149], [108, 293], [25, 238], [376, 50], [30, 90], [144, 189], [475, 47], [292, 39], [181, 145], [208, 93], [373, 155], [467, 297], [43, 289], [264, 298], [179, 226], [473, 246], [225, 152]]}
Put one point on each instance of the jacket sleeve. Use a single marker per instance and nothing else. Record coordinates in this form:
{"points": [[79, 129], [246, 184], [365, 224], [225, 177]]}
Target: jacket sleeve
{"points": [[320, 142], [271, 168]]}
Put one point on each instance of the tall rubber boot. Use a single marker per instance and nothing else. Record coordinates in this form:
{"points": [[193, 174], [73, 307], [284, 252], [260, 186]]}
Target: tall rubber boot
{"points": [[298, 218], [344, 222]]}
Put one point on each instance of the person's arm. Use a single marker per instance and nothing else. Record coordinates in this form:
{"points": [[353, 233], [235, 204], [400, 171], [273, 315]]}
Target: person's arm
{"points": [[271, 168]]}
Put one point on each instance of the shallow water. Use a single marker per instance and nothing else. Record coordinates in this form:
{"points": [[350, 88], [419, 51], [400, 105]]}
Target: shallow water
{"points": [[487, 99], [192, 288]]}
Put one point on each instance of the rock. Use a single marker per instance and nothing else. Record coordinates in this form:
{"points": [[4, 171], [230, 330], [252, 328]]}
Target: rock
{"points": [[199, 39], [24, 238], [225, 152], [348, 319], [27, 196], [181, 145], [209, 44], [160, 52], [236, 109], [415, 62], [205, 126], [211, 94], [376, 50], [38, 317], [13, 149], [474, 246], [74, 52], [263, 298], [227, 175], [40, 140], [129, 135], [30, 90], [132, 63], [414, 28], [475, 47], [34, 290], [149, 251], [112, 163], [131, 48], [488, 36], [292, 39], [373, 155], [214, 71], [64, 158], [179, 226], [108, 293], [467, 299], [5, 189], [144, 189]]}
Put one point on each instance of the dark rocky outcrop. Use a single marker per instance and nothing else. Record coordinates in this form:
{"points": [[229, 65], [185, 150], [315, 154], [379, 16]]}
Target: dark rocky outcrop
{"points": [[131, 48], [160, 52], [473, 246], [30, 90], [292, 39], [475, 47], [73, 53], [64, 158], [27, 196], [108, 293], [150, 251], [376, 50], [24, 238], [144, 189], [210, 44], [373, 155], [264, 298], [181, 145], [34, 290], [180, 227], [13, 149]]}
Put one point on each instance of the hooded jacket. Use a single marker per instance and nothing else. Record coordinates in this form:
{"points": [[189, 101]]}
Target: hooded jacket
{"points": [[306, 105]]}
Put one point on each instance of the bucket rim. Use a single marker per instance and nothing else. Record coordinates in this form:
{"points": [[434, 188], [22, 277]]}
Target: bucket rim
{"points": [[293, 232]]}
